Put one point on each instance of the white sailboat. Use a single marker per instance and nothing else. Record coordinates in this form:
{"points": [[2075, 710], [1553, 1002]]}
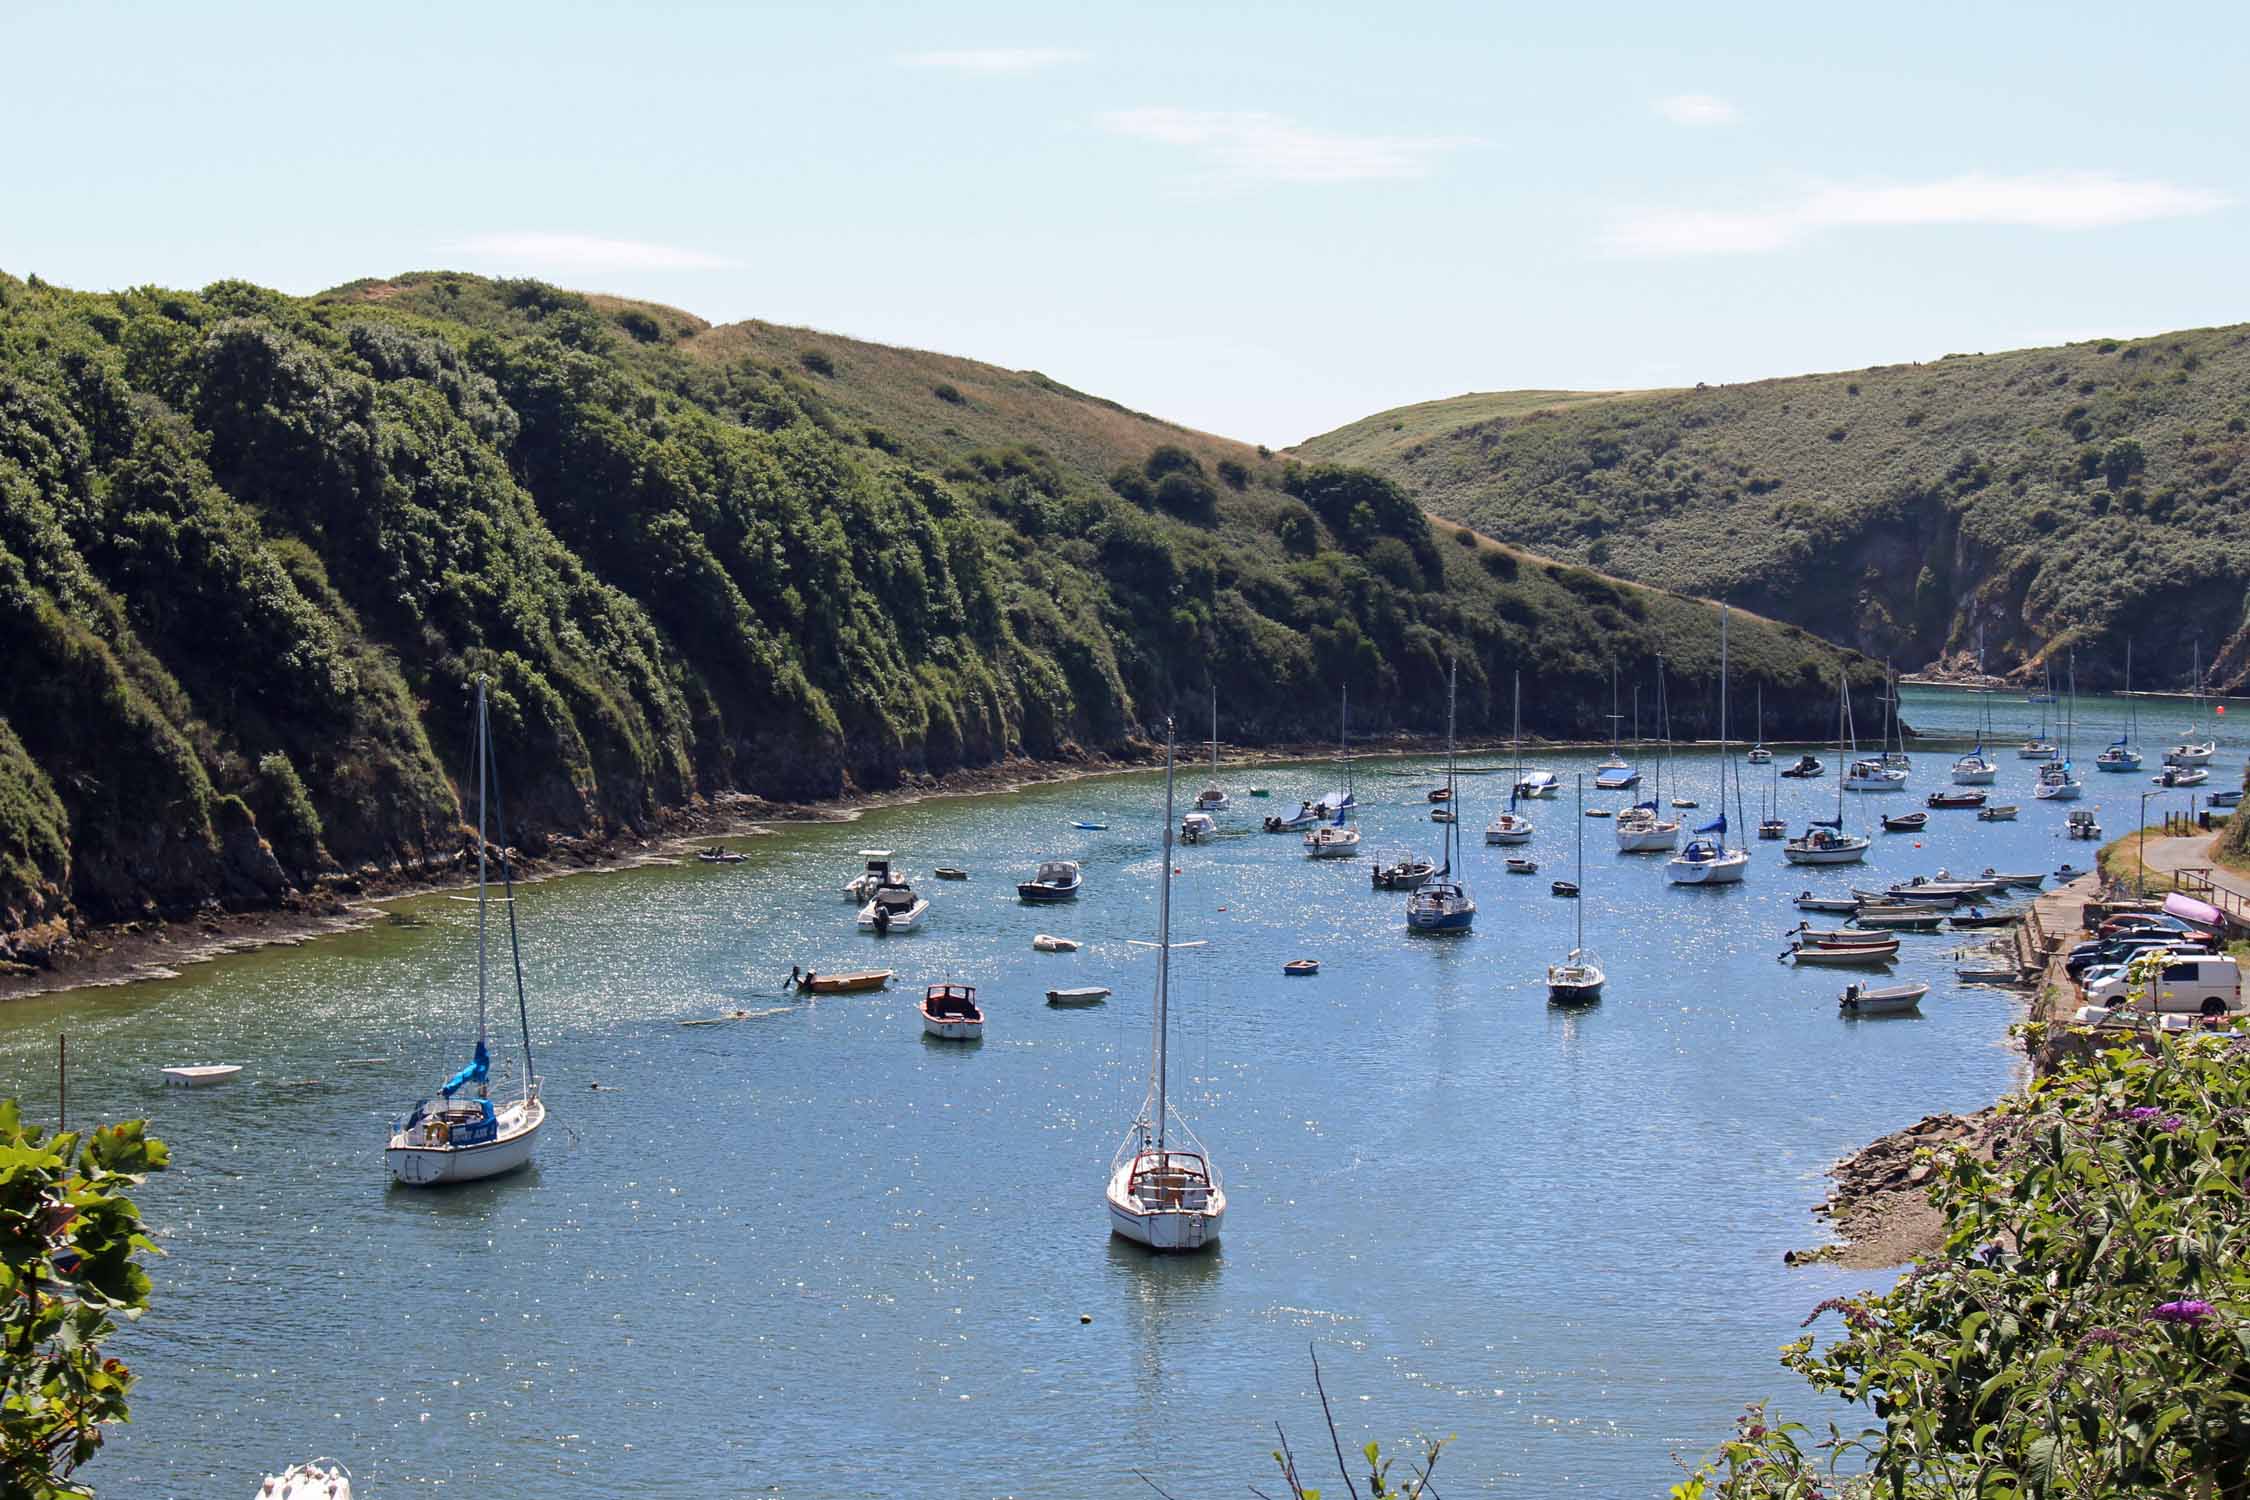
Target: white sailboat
{"points": [[1213, 797], [2121, 754], [1894, 722], [1509, 826], [1578, 979], [1613, 774], [450, 1139], [2057, 781], [2039, 747], [1825, 842], [2192, 751], [1443, 903], [1977, 768], [1708, 860], [1163, 1191], [1642, 828], [1877, 773], [1759, 755]]}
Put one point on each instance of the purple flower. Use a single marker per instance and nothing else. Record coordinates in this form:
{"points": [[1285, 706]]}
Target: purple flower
{"points": [[2187, 1311], [2143, 1112], [2170, 1123]]}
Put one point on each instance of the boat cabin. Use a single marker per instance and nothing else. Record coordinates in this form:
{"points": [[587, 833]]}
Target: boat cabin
{"points": [[451, 1122], [1056, 872], [952, 1002], [1171, 1180]]}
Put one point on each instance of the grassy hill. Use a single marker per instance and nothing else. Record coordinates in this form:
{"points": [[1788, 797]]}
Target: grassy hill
{"points": [[254, 550], [2053, 498]]}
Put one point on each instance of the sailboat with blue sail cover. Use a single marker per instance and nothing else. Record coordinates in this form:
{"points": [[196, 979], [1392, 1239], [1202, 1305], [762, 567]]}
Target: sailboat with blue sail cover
{"points": [[1443, 902], [1824, 842], [452, 1138], [2121, 756], [1707, 860], [1977, 768]]}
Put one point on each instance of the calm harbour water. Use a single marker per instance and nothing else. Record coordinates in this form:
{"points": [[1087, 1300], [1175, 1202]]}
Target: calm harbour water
{"points": [[812, 1254]]}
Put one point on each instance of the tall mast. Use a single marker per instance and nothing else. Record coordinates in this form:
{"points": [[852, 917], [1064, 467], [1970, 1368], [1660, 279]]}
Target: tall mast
{"points": [[1164, 948], [1515, 727], [482, 731], [1344, 735], [1614, 715], [1453, 828], [1722, 727], [1214, 732], [1579, 948], [1844, 773]]}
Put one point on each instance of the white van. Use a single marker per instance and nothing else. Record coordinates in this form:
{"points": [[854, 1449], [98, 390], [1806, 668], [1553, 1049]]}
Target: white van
{"points": [[2179, 984]]}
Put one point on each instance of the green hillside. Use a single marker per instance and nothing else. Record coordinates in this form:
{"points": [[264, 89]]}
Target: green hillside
{"points": [[254, 549], [2054, 498]]}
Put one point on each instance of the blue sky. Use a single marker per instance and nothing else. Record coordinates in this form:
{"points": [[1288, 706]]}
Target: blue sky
{"points": [[1264, 220]]}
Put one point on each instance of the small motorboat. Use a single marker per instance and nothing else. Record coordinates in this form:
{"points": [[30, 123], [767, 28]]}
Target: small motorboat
{"points": [[1538, 784], [1887, 1000], [1901, 918], [2225, 799], [1400, 871], [1616, 776], [1298, 968], [1518, 865], [717, 856], [1684, 802], [201, 1075], [1944, 800], [1844, 954], [1439, 794], [1759, 756], [2067, 871], [1085, 994], [1773, 828], [1444, 815], [1090, 827], [1196, 827], [1332, 841], [1261, 791], [812, 983], [1601, 812], [950, 872], [862, 885], [949, 1012], [1508, 828], [1975, 917], [1047, 942], [1565, 888], [1837, 937], [2182, 776], [1807, 766], [2081, 825], [2035, 750], [2029, 879], [1057, 880], [893, 908], [2003, 812], [1807, 901], [1913, 822]]}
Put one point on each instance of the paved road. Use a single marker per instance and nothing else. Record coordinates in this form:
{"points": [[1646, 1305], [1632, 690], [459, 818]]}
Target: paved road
{"points": [[2165, 856]]}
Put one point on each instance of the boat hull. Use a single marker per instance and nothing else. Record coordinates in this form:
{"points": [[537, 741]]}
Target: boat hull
{"points": [[1980, 776], [1450, 921], [434, 1166], [952, 1028], [1045, 895], [1637, 840], [1851, 954], [905, 921], [1171, 1230], [1726, 870], [1850, 855]]}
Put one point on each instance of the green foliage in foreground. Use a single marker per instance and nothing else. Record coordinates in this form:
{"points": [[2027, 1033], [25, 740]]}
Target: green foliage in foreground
{"points": [[2085, 1331], [71, 1244], [2076, 496]]}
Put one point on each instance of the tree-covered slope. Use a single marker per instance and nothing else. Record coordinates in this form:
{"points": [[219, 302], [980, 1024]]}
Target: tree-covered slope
{"points": [[254, 550], [2054, 498]]}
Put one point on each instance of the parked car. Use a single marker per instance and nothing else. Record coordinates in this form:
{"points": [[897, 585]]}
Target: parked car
{"points": [[2191, 984]]}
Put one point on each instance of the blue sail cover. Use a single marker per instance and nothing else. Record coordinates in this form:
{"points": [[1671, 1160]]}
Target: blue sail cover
{"points": [[2118, 743], [476, 1072], [1835, 823], [1648, 806], [1717, 825]]}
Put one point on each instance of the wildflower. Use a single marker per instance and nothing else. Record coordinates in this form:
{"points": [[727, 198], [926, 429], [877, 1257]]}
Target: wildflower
{"points": [[2187, 1310], [2143, 1112], [2170, 1123], [2109, 1336]]}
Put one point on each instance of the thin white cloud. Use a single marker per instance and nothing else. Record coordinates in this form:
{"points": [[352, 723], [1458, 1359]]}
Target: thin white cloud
{"points": [[994, 59], [2038, 200], [1697, 109], [586, 252], [1272, 148]]}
